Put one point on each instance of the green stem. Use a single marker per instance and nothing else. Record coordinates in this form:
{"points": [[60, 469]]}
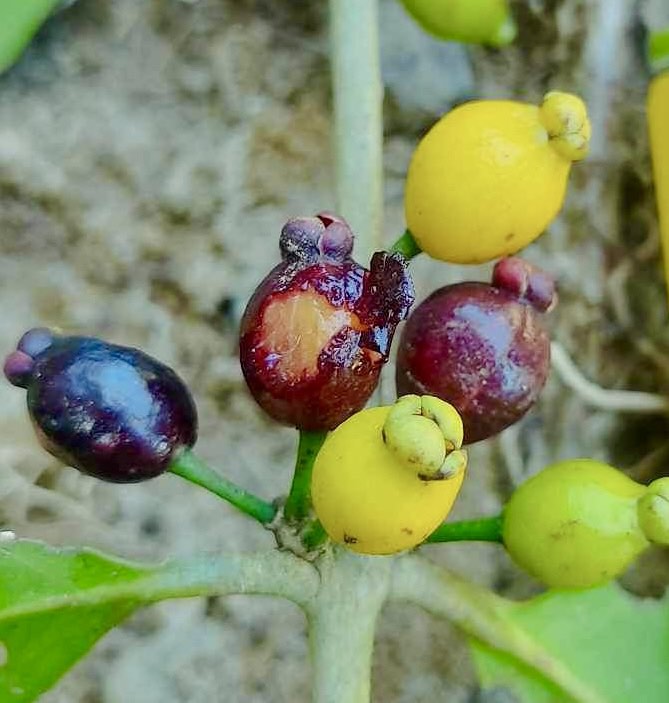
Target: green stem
{"points": [[314, 535], [298, 502], [358, 100], [19, 21], [407, 246], [487, 529], [193, 469], [342, 622]]}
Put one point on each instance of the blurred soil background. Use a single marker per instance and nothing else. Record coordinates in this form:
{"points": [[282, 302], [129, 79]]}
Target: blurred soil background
{"points": [[149, 154]]}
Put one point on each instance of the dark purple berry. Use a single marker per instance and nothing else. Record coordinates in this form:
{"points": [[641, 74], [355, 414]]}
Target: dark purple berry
{"points": [[318, 329], [483, 348], [110, 411]]}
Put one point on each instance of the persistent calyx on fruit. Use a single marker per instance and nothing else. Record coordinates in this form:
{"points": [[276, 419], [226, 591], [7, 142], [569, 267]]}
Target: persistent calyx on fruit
{"points": [[580, 523], [426, 435], [110, 411], [318, 329], [653, 512], [565, 118], [483, 348], [491, 175], [388, 476]]}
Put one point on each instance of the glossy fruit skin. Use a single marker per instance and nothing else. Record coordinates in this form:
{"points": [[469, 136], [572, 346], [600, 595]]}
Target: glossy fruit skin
{"points": [[574, 524], [350, 310], [110, 411], [366, 498], [484, 182], [476, 21], [479, 347]]}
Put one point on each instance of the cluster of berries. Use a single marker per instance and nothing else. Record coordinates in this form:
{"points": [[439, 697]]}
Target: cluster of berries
{"points": [[472, 360]]}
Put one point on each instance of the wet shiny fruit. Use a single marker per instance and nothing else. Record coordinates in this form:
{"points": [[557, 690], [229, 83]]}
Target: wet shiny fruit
{"points": [[483, 348], [318, 329], [112, 412]]}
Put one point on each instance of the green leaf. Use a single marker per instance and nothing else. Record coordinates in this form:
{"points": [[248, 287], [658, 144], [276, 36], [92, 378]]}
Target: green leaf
{"points": [[41, 633], [19, 21], [615, 644], [56, 603]]}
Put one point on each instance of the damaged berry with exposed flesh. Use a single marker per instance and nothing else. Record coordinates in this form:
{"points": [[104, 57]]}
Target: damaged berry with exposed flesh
{"points": [[112, 412], [483, 348], [318, 329]]}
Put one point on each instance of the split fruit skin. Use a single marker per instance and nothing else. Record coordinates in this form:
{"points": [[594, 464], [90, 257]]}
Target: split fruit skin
{"points": [[317, 330], [483, 348], [110, 411], [365, 496], [575, 524], [491, 175]]}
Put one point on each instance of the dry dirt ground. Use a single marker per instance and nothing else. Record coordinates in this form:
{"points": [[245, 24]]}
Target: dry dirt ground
{"points": [[149, 153]]}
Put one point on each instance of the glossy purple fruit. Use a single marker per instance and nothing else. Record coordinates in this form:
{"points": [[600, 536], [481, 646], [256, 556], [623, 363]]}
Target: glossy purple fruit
{"points": [[483, 348], [112, 412], [318, 329]]}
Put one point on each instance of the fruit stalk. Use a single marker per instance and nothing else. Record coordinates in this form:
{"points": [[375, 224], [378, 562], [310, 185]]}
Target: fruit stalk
{"points": [[487, 529], [193, 469], [299, 500], [406, 245]]}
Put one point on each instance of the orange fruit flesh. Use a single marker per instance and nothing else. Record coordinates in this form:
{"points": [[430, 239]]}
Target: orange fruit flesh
{"points": [[298, 326]]}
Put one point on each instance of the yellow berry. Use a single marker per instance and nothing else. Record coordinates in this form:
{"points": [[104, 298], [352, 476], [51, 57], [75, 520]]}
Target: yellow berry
{"points": [[490, 176], [575, 524], [368, 498]]}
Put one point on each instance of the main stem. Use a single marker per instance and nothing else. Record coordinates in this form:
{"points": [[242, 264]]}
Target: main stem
{"points": [[342, 623], [358, 104]]}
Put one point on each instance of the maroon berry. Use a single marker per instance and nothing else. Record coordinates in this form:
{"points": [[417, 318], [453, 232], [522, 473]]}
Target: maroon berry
{"points": [[112, 412], [483, 348], [318, 329]]}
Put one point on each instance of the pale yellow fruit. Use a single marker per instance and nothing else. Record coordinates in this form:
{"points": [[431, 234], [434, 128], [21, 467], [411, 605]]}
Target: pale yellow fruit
{"points": [[491, 175], [367, 498]]}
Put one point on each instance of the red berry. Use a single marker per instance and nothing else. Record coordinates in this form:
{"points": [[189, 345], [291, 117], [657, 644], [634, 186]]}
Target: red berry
{"points": [[318, 329], [483, 348], [112, 412]]}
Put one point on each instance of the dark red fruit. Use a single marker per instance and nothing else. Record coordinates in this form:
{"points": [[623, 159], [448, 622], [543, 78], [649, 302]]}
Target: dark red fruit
{"points": [[318, 329], [112, 412], [483, 348]]}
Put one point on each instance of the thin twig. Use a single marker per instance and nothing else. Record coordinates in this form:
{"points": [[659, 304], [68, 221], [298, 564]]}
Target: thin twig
{"points": [[605, 398], [193, 469]]}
